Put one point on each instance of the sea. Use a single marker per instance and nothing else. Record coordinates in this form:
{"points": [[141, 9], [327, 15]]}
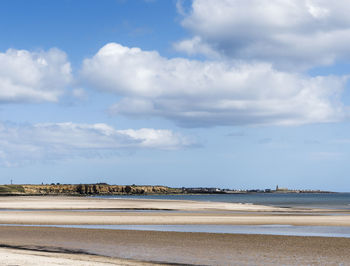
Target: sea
{"points": [[302, 200]]}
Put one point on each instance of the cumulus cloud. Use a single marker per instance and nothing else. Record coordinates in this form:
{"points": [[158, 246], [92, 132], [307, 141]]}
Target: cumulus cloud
{"points": [[292, 34], [195, 93], [53, 141], [33, 76]]}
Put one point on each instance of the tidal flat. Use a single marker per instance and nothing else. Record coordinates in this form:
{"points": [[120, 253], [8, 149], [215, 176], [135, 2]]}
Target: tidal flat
{"points": [[34, 232]]}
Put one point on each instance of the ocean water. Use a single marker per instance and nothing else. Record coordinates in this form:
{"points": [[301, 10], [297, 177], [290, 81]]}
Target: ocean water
{"points": [[309, 200]]}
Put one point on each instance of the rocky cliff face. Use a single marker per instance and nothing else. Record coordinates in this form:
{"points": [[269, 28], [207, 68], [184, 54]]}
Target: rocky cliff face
{"points": [[95, 189]]}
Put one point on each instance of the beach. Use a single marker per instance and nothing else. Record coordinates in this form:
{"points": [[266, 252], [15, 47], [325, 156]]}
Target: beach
{"points": [[31, 257], [177, 247], [132, 247]]}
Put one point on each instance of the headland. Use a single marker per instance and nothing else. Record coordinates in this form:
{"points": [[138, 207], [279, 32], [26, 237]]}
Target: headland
{"points": [[106, 189]]}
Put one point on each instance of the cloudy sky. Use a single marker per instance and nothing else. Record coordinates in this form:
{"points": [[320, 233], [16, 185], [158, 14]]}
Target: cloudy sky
{"points": [[226, 93]]}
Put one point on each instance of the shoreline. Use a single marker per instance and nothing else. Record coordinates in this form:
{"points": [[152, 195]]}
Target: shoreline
{"points": [[158, 194], [182, 248], [106, 189], [94, 211], [146, 246]]}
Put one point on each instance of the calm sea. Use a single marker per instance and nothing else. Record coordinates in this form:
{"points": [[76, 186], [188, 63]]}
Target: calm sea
{"points": [[312, 200]]}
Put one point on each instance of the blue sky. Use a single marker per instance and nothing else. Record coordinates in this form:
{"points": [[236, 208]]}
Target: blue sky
{"points": [[235, 94]]}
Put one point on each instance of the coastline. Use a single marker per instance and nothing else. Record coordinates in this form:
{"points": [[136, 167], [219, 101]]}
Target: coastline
{"points": [[180, 248], [144, 247], [106, 189], [72, 210]]}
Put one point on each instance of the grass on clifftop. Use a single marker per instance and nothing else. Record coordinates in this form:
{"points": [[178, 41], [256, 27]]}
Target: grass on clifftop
{"points": [[9, 189]]}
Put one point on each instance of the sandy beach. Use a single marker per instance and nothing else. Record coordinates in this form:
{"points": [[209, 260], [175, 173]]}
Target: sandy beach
{"points": [[183, 248], [31, 257], [84, 203], [61, 246], [88, 210]]}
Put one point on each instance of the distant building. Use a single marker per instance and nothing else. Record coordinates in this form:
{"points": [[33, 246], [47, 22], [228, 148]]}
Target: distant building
{"points": [[202, 190], [281, 188]]}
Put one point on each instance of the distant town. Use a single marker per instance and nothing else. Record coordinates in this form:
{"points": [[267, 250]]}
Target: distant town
{"points": [[278, 189]]}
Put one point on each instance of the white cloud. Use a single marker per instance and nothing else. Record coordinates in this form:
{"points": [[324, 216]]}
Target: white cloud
{"points": [[209, 93], [156, 138], [292, 34], [196, 46], [33, 76], [52, 141]]}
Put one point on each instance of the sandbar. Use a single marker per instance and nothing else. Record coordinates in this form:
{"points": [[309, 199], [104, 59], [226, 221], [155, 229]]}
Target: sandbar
{"points": [[182, 248], [59, 210]]}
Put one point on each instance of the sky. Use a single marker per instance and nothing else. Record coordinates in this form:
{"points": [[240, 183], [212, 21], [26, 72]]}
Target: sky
{"points": [[228, 93]]}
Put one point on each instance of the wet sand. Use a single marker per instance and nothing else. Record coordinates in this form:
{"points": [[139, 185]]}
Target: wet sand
{"points": [[57, 210], [190, 218], [183, 248], [161, 247]]}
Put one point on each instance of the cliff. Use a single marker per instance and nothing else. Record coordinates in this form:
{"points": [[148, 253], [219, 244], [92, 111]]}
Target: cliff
{"points": [[84, 189]]}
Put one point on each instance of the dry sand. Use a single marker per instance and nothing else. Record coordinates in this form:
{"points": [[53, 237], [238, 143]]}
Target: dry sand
{"points": [[25, 257], [19, 245], [66, 203]]}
